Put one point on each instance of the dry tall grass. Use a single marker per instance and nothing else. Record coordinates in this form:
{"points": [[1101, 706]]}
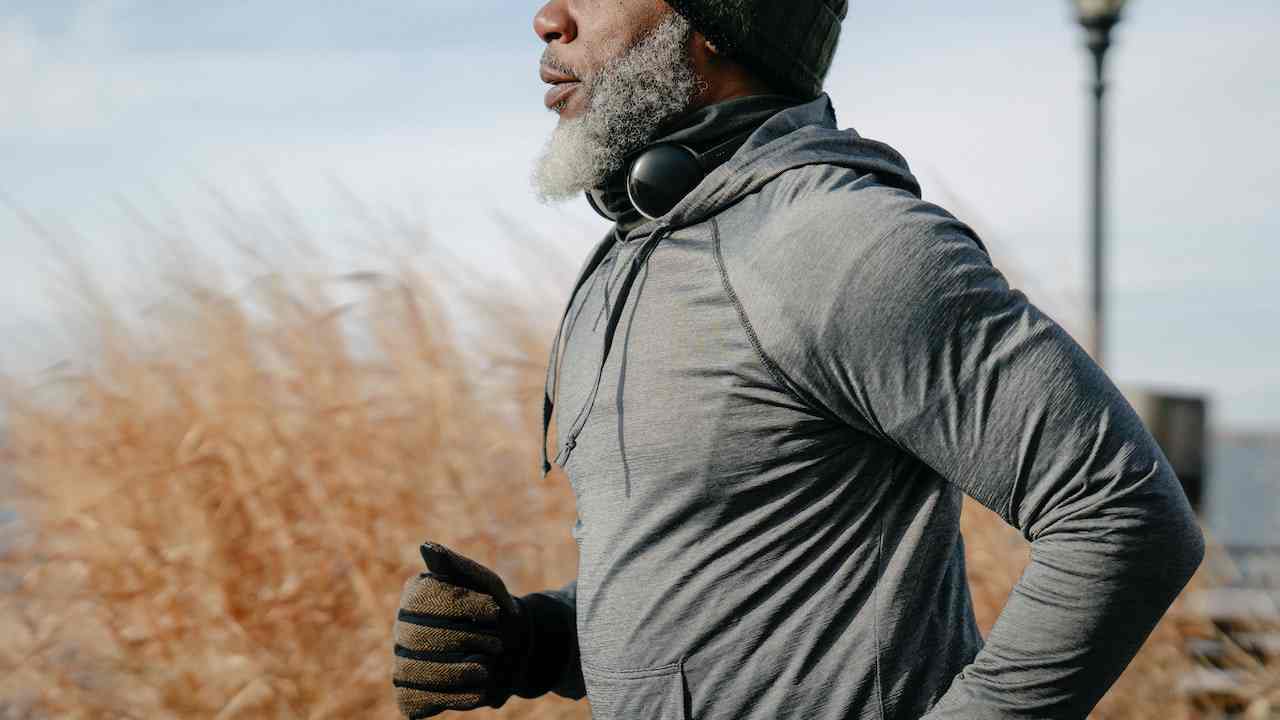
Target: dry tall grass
{"points": [[229, 501], [226, 500]]}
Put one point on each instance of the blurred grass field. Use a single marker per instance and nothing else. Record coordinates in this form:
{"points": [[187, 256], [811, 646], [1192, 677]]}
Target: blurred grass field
{"points": [[221, 499]]}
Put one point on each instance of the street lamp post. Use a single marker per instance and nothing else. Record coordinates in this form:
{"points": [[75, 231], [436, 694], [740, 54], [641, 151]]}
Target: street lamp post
{"points": [[1098, 17]]}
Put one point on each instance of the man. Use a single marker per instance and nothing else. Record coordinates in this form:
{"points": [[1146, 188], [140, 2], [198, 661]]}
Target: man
{"points": [[778, 380]]}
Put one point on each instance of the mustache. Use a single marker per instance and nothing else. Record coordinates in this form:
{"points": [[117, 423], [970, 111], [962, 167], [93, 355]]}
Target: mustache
{"points": [[550, 60]]}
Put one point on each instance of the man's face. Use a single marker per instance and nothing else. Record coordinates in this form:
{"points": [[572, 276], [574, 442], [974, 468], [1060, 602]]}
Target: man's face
{"points": [[619, 70], [582, 36]]}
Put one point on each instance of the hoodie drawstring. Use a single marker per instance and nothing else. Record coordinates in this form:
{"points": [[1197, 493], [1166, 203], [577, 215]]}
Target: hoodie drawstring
{"points": [[615, 317]]}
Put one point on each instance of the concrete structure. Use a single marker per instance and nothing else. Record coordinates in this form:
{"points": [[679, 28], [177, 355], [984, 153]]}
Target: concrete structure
{"points": [[1179, 423]]}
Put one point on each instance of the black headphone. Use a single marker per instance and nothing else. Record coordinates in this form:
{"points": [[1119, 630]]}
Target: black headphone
{"points": [[661, 175]]}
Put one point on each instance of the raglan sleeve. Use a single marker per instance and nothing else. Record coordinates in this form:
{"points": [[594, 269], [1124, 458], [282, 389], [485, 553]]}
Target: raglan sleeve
{"points": [[922, 339]]}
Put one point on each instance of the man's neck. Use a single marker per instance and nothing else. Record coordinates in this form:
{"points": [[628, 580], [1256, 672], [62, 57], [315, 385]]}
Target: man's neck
{"points": [[699, 130]]}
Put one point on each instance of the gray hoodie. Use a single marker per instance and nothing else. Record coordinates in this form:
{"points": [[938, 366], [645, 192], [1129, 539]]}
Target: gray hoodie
{"points": [[771, 401]]}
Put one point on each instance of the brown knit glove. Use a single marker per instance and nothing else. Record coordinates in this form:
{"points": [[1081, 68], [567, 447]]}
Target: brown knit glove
{"points": [[461, 638]]}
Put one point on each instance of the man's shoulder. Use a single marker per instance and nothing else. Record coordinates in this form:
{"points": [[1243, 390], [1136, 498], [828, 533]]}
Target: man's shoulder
{"points": [[822, 218]]}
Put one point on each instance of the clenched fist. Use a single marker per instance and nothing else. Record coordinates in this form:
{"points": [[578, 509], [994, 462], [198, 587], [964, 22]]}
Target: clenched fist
{"points": [[461, 638]]}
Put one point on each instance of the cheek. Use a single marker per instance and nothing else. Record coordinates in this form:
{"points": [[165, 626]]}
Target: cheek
{"points": [[589, 69], [597, 54], [617, 25]]}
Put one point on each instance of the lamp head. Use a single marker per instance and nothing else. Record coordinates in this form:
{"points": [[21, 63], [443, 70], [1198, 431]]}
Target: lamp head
{"points": [[1098, 18], [1098, 14]]}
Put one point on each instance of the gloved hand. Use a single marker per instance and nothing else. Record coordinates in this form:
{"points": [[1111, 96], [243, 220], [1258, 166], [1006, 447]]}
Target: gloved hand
{"points": [[461, 638]]}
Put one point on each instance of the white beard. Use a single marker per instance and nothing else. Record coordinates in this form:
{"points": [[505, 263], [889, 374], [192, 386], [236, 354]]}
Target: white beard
{"points": [[628, 100]]}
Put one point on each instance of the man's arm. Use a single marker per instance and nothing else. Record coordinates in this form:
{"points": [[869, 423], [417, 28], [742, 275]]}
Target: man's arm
{"points": [[553, 664], [913, 336]]}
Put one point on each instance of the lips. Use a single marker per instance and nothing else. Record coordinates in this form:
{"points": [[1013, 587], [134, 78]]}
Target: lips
{"points": [[562, 85], [559, 93]]}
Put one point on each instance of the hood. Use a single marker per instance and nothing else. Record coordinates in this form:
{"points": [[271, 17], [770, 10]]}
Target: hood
{"points": [[800, 135]]}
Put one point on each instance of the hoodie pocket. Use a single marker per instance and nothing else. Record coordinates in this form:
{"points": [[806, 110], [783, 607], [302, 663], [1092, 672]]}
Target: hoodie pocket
{"points": [[652, 694]]}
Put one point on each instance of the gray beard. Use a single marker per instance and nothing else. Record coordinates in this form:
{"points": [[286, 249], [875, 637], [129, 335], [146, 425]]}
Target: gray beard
{"points": [[629, 98]]}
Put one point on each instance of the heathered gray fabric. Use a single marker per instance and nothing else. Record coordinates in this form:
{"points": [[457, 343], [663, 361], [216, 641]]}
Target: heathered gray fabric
{"points": [[810, 368]]}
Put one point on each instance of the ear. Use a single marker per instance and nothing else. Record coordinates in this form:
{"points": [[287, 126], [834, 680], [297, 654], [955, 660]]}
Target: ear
{"points": [[701, 45]]}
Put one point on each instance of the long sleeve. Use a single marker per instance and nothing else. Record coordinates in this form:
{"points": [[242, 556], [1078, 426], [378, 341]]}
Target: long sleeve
{"points": [[554, 664], [916, 337]]}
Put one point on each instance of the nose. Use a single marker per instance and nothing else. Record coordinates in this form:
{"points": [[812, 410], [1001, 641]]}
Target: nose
{"points": [[554, 22]]}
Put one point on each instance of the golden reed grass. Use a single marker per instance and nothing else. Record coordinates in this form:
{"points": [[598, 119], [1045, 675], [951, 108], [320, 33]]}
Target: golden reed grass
{"points": [[223, 504]]}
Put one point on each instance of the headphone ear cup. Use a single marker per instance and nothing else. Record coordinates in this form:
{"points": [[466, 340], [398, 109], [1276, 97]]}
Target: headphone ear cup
{"points": [[661, 177]]}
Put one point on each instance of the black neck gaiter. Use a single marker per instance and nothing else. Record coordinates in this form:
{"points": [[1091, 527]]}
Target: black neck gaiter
{"points": [[700, 130]]}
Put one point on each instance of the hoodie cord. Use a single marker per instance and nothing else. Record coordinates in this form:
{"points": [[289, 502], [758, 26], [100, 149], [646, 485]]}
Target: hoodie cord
{"points": [[551, 386], [615, 317]]}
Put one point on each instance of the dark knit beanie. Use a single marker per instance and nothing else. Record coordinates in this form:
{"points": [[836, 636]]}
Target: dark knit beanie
{"points": [[789, 43]]}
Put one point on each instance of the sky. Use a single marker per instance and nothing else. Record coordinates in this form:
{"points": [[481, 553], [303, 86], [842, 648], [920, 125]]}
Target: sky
{"points": [[118, 117]]}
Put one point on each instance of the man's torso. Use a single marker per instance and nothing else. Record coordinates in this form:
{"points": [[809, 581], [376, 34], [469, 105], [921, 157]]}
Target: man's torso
{"points": [[743, 553]]}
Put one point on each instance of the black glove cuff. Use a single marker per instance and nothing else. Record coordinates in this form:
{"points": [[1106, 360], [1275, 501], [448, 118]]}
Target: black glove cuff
{"points": [[552, 645]]}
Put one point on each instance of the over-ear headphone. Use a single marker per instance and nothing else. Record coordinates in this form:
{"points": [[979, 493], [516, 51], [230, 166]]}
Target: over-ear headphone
{"points": [[661, 175]]}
